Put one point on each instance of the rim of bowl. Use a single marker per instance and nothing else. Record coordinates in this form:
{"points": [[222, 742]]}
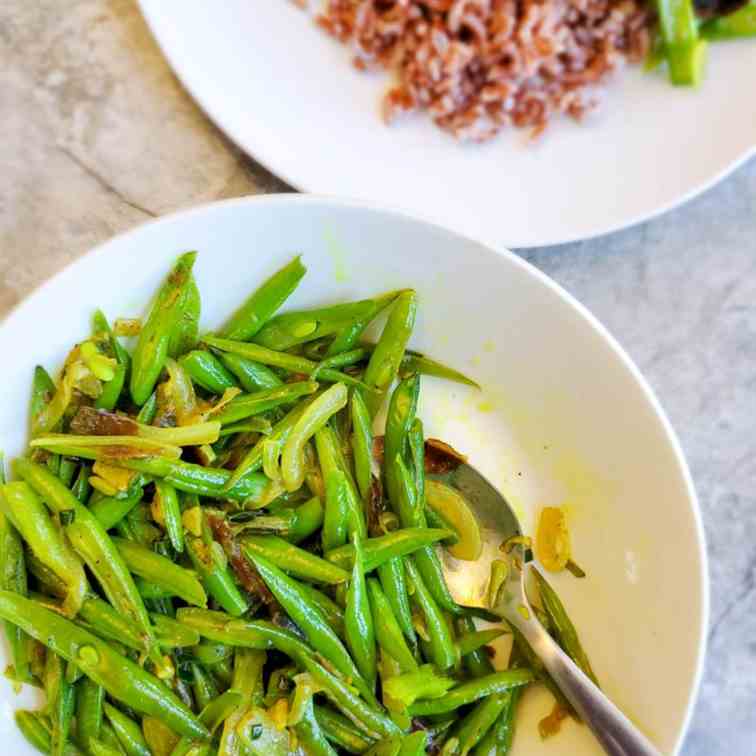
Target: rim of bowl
{"points": [[71, 269]]}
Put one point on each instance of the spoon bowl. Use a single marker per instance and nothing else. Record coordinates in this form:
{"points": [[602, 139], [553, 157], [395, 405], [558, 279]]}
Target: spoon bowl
{"points": [[469, 584]]}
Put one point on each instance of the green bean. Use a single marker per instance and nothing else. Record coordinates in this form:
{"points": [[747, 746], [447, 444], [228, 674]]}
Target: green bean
{"points": [[185, 333], [81, 488], [35, 727], [340, 731], [332, 612], [336, 514], [247, 321], [468, 692], [314, 417], [253, 459], [387, 747], [66, 471], [212, 716], [426, 557], [499, 737], [198, 480], [389, 351], [470, 730], [258, 634], [365, 716], [148, 411], [476, 661], [247, 681], [392, 577], [112, 389], [110, 510], [166, 502], [284, 360], [253, 376], [736, 25], [292, 559], [121, 678], [13, 578], [383, 548], [89, 706], [347, 516], [209, 653], [311, 620], [359, 628], [43, 390], [203, 685], [473, 640], [293, 328], [362, 444], [92, 544], [30, 517], [442, 645], [160, 739], [258, 402], [209, 561], [155, 337], [387, 631], [684, 50], [414, 744], [294, 524], [127, 731], [562, 627], [414, 362], [161, 571], [61, 699], [207, 371], [303, 721], [173, 634]]}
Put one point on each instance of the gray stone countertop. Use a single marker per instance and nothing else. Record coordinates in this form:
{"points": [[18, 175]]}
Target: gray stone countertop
{"points": [[98, 136]]}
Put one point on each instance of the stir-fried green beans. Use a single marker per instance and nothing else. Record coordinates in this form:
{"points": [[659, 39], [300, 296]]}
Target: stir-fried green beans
{"points": [[201, 554]]}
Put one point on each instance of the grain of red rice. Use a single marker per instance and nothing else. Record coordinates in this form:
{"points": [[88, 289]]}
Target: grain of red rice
{"points": [[478, 66]]}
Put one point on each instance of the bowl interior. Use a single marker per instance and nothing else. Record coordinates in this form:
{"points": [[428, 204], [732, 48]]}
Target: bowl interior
{"points": [[563, 417]]}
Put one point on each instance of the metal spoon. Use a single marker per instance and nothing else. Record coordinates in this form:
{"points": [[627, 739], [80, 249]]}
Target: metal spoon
{"points": [[615, 732]]}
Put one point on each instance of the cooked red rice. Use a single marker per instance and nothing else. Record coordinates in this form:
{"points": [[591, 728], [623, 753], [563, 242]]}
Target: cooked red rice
{"points": [[478, 66]]}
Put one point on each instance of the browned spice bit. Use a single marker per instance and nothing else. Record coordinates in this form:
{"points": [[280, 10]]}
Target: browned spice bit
{"points": [[375, 507], [244, 571], [489, 651], [378, 449], [89, 421], [551, 724], [440, 458]]}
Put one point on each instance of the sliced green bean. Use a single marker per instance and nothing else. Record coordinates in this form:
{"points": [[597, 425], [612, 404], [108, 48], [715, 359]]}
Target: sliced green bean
{"points": [[292, 559], [167, 503], [393, 581], [155, 337], [161, 571], [341, 732], [258, 402], [30, 517], [362, 444], [360, 630], [387, 631], [121, 678], [284, 360], [127, 731], [381, 549], [90, 698], [468, 692], [247, 321], [253, 376], [389, 351]]}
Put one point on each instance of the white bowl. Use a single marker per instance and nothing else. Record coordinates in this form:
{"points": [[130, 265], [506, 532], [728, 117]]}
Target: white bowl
{"points": [[564, 417]]}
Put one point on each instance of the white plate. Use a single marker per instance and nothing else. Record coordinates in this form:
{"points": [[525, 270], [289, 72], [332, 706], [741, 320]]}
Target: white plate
{"points": [[288, 95], [564, 417]]}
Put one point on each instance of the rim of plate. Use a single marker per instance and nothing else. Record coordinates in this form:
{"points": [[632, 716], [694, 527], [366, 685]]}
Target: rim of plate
{"points": [[252, 145], [102, 249]]}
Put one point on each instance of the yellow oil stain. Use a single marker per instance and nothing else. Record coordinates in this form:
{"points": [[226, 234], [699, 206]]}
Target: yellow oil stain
{"points": [[488, 346], [486, 406]]}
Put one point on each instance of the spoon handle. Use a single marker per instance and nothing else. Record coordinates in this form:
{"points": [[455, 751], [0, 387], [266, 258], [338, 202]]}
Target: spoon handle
{"points": [[616, 733]]}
